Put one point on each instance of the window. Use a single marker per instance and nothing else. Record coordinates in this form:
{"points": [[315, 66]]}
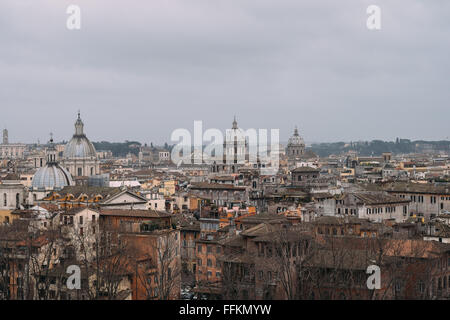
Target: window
{"points": [[5, 200], [199, 262], [199, 249], [81, 219], [209, 263], [421, 287], [209, 249], [398, 287], [260, 275]]}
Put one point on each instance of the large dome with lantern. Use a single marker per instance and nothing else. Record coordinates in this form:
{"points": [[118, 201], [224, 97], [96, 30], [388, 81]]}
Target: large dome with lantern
{"points": [[80, 157], [52, 176], [79, 146], [296, 139]]}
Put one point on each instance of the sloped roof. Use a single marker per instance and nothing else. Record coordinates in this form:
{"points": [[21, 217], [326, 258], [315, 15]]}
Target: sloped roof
{"points": [[134, 213], [217, 186], [374, 198], [76, 191], [305, 169]]}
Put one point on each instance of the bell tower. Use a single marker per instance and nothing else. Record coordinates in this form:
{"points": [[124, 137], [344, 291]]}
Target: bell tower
{"points": [[5, 136]]}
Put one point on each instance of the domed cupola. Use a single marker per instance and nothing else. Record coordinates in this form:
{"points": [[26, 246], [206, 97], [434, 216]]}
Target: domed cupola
{"points": [[296, 146], [296, 140], [52, 176], [80, 157], [79, 147]]}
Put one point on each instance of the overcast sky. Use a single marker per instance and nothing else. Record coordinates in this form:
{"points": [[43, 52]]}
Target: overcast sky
{"points": [[140, 69]]}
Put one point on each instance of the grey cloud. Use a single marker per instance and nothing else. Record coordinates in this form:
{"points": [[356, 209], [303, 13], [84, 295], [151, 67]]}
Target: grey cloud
{"points": [[139, 70]]}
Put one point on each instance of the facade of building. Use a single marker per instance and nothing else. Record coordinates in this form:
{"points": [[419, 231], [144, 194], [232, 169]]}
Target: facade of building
{"points": [[235, 151], [375, 206], [13, 194], [11, 150]]}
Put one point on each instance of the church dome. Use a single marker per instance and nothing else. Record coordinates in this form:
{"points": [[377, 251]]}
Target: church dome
{"points": [[51, 176], [79, 146], [296, 140]]}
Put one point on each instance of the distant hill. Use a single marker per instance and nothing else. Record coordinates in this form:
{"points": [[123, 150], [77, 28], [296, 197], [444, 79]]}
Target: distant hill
{"points": [[377, 147], [118, 149]]}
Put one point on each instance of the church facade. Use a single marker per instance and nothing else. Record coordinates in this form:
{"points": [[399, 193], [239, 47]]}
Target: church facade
{"points": [[235, 151], [11, 150]]}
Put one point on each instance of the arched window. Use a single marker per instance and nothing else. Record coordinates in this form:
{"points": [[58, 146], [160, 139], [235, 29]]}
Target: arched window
{"points": [[5, 200], [80, 172], [17, 201]]}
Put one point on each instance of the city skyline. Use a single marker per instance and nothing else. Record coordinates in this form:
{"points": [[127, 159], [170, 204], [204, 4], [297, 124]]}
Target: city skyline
{"points": [[284, 137]]}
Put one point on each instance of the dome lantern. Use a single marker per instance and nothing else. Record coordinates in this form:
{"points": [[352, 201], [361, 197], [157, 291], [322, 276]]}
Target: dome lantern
{"points": [[79, 126], [51, 151]]}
